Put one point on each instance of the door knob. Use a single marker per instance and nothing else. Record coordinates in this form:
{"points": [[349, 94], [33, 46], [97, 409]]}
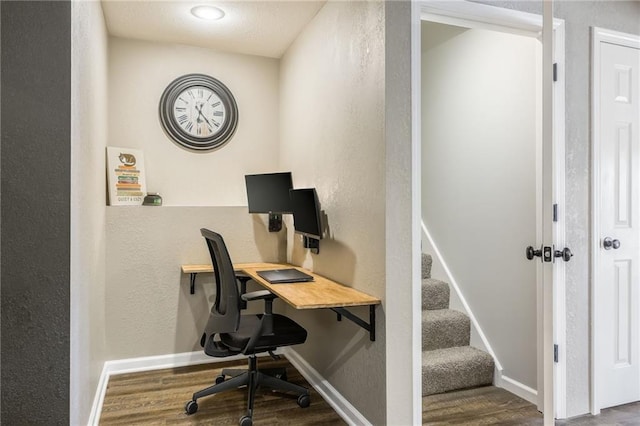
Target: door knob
{"points": [[565, 254], [609, 243], [531, 253]]}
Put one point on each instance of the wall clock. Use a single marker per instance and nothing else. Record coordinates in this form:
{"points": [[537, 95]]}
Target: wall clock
{"points": [[198, 112]]}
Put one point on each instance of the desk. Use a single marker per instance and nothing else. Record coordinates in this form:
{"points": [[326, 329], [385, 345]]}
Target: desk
{"points": [[322, 293]]}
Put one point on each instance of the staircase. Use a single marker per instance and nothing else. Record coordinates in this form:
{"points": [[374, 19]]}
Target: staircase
{"points": [[448, 362]]}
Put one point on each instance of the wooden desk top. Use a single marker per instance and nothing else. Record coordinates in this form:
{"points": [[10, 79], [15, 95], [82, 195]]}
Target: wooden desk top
{"points": [[320, 293]]}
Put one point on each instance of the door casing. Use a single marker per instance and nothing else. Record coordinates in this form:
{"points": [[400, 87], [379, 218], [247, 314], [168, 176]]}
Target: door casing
{"points": [[551, 302]]}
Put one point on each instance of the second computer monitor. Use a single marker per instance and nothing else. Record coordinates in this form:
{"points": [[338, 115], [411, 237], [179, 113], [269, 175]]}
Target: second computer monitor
{"points": [[306, 212]]}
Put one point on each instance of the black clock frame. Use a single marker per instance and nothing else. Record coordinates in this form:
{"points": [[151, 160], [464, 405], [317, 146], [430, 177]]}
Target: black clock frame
{"points": [[171, 126]]}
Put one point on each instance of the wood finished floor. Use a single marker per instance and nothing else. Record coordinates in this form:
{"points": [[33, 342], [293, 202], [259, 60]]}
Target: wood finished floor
{"points": [[487, 405], [490, 405], [158, 398]]}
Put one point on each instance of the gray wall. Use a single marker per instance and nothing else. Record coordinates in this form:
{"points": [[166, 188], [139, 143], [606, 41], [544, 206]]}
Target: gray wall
{"points": [[332, 138], [35, 114], [148, 308], [579, 16]]}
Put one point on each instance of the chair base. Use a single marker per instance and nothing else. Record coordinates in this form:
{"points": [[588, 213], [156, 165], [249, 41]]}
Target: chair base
{"points": [[252, 378]]}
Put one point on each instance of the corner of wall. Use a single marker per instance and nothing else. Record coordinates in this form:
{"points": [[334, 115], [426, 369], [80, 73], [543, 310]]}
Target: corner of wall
{"points": [[89, 58]]}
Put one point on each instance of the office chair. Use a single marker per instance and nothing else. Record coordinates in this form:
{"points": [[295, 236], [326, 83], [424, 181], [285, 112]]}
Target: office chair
{"points": [[229, 333]]}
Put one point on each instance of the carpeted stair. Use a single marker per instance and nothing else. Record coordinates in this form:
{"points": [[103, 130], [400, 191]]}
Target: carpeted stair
{"points": [[448, 362]]}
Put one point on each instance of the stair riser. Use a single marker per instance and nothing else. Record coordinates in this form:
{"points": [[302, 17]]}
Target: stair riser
{"points": [[435, 295], [445, 334], [455, 368], [426, 265], [461, 377]]}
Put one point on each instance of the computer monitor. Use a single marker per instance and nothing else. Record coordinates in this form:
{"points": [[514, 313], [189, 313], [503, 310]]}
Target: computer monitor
{"points": [[269, 193], [306, 216]]}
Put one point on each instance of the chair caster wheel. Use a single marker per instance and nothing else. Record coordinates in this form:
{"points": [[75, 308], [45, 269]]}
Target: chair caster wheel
{"points": [[191, 407], [219, 379], [246, 421], [304, 401]]}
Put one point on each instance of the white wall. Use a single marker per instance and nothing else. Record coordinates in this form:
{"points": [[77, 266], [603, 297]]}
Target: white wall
{"points": [[480, 129], [332, 138], [88, 140], [139, 71]]}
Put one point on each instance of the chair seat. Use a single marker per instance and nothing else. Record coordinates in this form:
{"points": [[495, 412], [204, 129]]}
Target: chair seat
{"points": [[285, 332]]}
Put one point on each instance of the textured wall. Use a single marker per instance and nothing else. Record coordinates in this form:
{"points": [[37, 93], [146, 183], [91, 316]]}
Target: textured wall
{"points": [[148, 308], [579, 16], [139, 71], [481, 104], [88, 140], [35, 114], [332, 138], [402, 218]]}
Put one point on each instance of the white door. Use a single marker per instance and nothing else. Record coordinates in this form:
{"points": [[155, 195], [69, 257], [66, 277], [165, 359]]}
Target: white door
{"points": [[617, 222]]}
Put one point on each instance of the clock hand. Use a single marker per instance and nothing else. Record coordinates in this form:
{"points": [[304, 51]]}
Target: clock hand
{"points": [[201, 115]]}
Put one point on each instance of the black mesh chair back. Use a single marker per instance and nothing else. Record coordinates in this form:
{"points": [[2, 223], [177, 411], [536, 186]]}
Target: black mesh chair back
{"points": [[225, 312]]}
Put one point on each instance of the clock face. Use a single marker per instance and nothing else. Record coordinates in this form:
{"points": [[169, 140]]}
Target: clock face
{"points": [[198, 112]]}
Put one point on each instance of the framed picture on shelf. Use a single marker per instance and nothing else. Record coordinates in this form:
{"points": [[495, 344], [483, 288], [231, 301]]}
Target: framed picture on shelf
{"points": [[125, 176]]}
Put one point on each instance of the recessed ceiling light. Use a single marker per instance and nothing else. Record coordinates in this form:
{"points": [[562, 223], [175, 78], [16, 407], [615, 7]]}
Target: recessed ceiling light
{"points": [[207, 12]]}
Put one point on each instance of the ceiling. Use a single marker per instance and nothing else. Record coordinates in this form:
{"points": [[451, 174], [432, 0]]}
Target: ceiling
{"points": [[262, 28]]}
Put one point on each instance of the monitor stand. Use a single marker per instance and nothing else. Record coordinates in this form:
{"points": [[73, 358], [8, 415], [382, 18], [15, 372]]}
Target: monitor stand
{"points": [[275, 222], [311, 243]]}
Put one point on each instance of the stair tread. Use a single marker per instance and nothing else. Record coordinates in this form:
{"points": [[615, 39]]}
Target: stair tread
{"points": [[444, 314], [433, 281], [454, 355], [435, 294]]}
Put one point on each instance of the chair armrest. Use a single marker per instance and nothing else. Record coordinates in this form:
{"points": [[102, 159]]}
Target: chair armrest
{"points": [[266, 322], [259, 295]]}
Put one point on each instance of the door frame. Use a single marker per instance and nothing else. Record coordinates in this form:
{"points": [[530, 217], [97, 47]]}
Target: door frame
{"points": [[598, 36], [551, 376]]}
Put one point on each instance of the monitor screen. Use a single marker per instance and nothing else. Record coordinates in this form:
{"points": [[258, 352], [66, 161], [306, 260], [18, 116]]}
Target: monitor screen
{"points": [[269, 193], [306, 212]]}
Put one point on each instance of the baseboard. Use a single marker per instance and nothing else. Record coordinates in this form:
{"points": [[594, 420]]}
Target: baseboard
{"points": [[516, 388], [135, 365], [348, 412]]}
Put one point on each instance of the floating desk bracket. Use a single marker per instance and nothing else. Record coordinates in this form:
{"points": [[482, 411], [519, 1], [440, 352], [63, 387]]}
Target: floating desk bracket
{"points": [[370, 326], [192, 281]]}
